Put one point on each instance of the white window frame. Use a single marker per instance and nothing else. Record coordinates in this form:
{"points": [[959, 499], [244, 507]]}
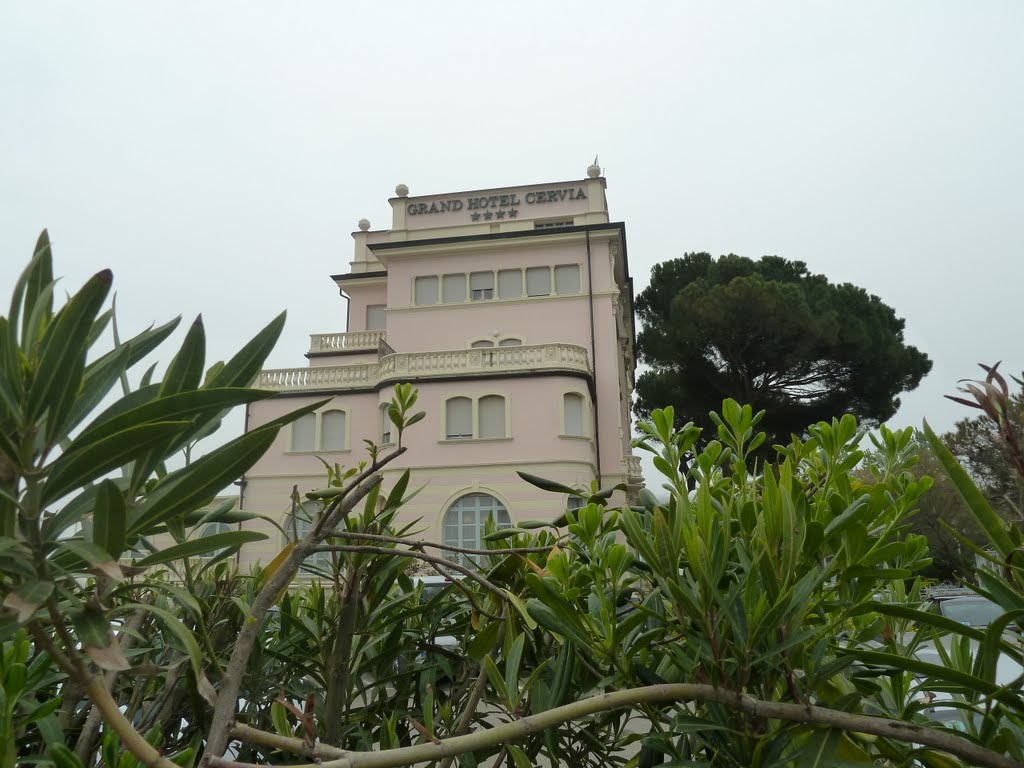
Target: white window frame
{"points": [[321, 415], [317, 447], [474, 502], [386, 426], [379, 313], [475, 417], [485, 292], [584, 415], [437, 290]]}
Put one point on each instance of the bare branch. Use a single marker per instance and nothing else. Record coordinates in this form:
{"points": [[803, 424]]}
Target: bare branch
{"points": [[418, 544], [366, 549], [946, 741]]}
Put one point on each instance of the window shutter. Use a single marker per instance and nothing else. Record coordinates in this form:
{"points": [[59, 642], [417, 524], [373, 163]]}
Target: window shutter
{"points": [[375, 317], [385, 425], [573, 408], [567, 278], [332, 431], [303, 432], [492, 416], [426, 290], [510, 283], [454, 288], [538, 281], [459, 418], [481, 285]]}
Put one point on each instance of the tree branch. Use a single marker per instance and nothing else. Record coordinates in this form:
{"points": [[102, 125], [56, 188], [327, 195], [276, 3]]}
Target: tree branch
{"points": [[231, 682], [371, 550], [946, 741], [418, 544]]}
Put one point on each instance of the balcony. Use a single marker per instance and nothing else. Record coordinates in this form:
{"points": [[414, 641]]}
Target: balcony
{"points": [[417, 366], [633, 470], [357, 341]]}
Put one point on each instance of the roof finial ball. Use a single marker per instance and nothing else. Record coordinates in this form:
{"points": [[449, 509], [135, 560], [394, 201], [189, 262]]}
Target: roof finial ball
{"points": [[402, 191], [594, 170], [364, 225]]}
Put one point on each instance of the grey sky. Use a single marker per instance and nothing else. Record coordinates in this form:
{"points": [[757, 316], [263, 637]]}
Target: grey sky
{"points": [[217, 155]]}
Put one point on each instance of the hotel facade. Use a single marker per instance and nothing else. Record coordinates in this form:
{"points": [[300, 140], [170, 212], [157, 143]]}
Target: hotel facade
{"points": [[510, 310]]}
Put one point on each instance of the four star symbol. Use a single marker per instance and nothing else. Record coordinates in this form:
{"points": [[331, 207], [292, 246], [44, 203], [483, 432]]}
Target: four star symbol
{"points": [[488, 215]]}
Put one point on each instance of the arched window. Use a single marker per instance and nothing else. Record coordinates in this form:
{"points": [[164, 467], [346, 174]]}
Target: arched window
{"points": [[492, 416], [209, 530], [572, 414], [301, 524], [482, 344], [332, 430], [458, 418], [304, 432], [510, 342], [465, 519], [572, 503]]}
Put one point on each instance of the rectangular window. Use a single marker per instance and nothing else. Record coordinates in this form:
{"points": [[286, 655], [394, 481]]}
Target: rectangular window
{"points": [[375, 317], [481, 285], [459, 418], [567, 278], [332, 431], [304, 432], [385, 425], [538, 281], [573, 406], [492, 416], [453, 288], [510, 283], [426, 290]]}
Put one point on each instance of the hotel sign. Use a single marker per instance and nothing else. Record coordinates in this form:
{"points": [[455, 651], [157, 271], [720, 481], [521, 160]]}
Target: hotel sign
{"points": [[496, 206]]}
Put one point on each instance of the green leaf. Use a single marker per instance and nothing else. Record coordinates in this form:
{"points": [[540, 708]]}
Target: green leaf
{"points": [[497, 681], [177, 407], [548, 485], [521, 609], [76, 468], [198, 483], [64, 757], [515, 655], [242, 369], [993, 525], [109, 519], [201, 545], [97, 381], [279, 717], [26, 598], [186, 368], [176, 628], [857, 509], [62, 355]]}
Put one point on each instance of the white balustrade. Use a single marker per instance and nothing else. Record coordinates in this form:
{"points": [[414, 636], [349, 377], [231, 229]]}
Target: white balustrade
{"points": [[409, 366], [345, 342], [633, 466]]}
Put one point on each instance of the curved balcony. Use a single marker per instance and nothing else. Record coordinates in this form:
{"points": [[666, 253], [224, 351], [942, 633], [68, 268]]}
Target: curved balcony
{"points": [[414, 366], [356, 341]]}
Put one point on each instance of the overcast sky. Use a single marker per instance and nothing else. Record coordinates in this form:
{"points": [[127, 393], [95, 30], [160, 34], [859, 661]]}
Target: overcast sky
{"points": [[216, 156]]}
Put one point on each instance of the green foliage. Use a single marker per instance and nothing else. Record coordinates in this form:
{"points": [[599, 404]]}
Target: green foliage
{"points": [[771, 334]]}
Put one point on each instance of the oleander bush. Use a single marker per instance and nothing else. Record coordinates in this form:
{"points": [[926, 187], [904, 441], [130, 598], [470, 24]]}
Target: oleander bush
{"points": [[770, 617]]}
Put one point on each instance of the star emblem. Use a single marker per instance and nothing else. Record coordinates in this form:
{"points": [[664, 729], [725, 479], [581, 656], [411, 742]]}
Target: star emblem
{"points": [[513, 213], [476, 216], [488, 215], [500, 214]]}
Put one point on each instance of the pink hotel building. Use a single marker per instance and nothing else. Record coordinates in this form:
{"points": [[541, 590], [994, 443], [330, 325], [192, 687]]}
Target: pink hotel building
{"points": [[511, 311]]}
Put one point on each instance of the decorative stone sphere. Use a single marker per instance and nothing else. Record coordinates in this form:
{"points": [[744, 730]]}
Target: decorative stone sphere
{"points": [[402, 191], [594, 170], [364, 224]]}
